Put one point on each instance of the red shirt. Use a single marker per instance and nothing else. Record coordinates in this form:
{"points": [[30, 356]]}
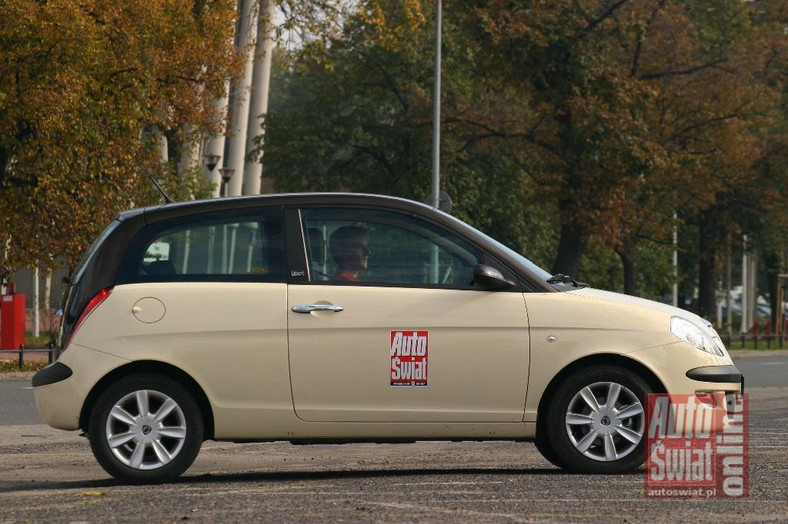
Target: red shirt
{"points": [[344, 276]]}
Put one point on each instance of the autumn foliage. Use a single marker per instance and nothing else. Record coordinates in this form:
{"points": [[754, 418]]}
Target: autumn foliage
{"points": [[87, 89], [601, 120], [569, 127]]}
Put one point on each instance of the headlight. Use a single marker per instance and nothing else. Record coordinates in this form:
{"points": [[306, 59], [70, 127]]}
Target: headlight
{"points": [[693, 335]]}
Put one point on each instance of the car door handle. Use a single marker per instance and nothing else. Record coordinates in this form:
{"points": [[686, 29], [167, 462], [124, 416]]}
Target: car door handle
{"points": [[308, 308]]}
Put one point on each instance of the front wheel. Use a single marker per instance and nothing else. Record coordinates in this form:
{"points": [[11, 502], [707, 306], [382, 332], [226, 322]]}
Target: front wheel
{"points": [[596, 422], [145, 429]]}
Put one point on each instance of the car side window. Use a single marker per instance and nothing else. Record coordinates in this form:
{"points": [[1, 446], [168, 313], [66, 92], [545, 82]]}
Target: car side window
{"points": [[383, 247], [247, 246]]}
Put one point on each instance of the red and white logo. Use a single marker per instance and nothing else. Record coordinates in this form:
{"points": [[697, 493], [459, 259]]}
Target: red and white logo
{"points": [[696, 446], [409, 352]]}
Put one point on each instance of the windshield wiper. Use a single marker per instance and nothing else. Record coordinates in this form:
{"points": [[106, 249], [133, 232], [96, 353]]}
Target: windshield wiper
{"points": [[560, 278]]}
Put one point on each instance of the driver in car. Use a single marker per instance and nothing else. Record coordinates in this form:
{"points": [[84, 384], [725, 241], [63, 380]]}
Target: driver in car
{"points": [[350, 250]]}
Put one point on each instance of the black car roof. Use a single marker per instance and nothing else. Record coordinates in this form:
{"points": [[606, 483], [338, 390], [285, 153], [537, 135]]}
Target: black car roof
{"points": [[175, 209], [152, 214]]}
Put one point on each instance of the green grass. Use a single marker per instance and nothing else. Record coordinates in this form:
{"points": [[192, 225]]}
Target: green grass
{"points": [[40, 342], [9, 360], [762, 344], [12, 365]]}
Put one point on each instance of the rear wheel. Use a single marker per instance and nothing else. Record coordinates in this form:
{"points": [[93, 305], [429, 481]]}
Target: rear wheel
{"points": [[146, 429], [597, 422]]}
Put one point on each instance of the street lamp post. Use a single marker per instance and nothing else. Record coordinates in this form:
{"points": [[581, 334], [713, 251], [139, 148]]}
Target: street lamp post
{"points": [[210, 161], [227, 174], [436, 111], [434, 199]]}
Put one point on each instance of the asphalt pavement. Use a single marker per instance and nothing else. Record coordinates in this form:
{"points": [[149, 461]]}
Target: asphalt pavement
{"points": [[766, 369]]}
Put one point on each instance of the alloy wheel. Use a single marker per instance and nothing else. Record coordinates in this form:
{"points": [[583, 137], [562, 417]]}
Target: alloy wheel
{"points": [[605, 421], [145, 429]]}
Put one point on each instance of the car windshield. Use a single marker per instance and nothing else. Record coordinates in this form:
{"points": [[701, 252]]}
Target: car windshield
{"points": [[530, 266]]}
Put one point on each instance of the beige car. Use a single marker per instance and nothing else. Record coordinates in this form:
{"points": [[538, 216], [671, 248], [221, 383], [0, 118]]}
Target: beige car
{"points": [[321, 318]]}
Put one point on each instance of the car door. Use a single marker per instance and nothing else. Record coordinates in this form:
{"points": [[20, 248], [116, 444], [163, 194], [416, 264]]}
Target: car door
{"points": [[411, 339], [207, 292]]}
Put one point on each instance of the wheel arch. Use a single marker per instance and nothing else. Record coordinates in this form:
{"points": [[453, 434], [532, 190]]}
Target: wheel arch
{"points": [[608, 359], [157, 368]]}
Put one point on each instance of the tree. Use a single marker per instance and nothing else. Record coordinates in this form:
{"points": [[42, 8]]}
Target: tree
{"points": [[567, 126], [87, 87], [358, 116], [636, 109]]}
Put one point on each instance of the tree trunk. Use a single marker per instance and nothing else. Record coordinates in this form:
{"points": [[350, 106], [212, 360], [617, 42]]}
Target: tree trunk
{"points": [[707, 282], [571, 246], [3, 163], [628, 262]]}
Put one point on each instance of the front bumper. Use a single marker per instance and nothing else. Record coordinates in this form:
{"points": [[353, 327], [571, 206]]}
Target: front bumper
{"points": [[717, 374], [683, 369]]}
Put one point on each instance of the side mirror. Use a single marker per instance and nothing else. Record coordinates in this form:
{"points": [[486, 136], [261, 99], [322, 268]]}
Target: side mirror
{"points": [[489, 278]]}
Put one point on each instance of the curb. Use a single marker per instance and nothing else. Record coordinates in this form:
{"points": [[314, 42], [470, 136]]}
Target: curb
{"points": [[17, 375], [746, 353]]}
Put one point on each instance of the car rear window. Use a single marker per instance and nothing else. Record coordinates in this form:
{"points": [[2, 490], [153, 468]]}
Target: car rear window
{"points": [[79, 269], [245, 245]]}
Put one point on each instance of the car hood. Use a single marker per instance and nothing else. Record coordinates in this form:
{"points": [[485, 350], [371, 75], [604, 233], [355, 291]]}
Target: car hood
{"points": [[651, 305], [595, 321]]}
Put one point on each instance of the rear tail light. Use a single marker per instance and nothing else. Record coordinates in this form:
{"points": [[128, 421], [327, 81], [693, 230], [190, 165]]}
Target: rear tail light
{"points": [[93, 303]]}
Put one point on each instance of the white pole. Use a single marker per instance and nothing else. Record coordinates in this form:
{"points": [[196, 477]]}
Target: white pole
{"points": [[36, 309], [186, 249], [719, 311], [728, 312], [436, 135], [224, 250], [48, 299], [744, 286], [261, 81], [189, 157], [163, 150], [215, 145], [436, 110], [752, 282], [231, 265], [675, 261], [3, 283], [239, 105]]}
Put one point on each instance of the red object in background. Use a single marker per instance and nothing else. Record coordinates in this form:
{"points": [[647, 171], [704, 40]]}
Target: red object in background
{"points": [[12, 321]]}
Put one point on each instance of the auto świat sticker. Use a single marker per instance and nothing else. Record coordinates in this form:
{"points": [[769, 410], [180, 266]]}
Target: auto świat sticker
{"points": [[697, 448], [409, 353]]}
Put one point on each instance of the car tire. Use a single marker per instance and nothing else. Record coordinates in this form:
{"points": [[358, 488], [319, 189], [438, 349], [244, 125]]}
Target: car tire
{"points": [[544, 447], [145, 429], [597, 420]]}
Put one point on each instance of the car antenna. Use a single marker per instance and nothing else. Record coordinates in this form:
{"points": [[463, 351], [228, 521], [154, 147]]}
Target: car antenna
{"points": [[167, 199]]}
